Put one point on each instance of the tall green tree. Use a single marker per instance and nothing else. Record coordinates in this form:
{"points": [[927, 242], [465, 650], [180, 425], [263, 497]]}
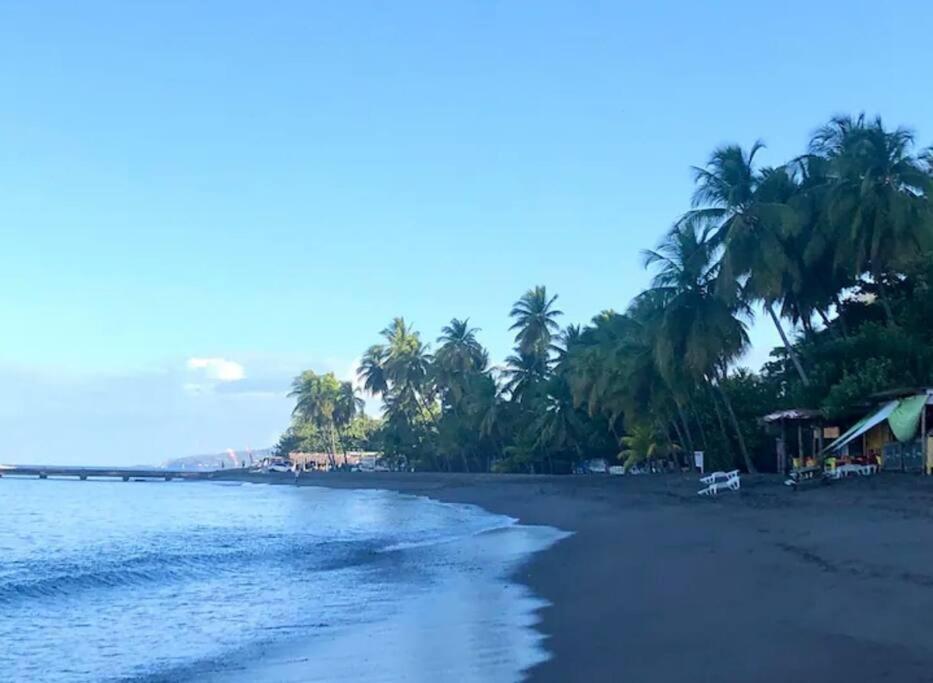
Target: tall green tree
{"points": [[326, 403], [400, 371], [699, 333], [535, 323], [746, 213], [878, 199]]}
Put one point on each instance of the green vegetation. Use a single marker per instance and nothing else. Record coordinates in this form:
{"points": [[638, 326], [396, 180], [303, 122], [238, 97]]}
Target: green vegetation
{"points": [[328, 417], [834, 247]]}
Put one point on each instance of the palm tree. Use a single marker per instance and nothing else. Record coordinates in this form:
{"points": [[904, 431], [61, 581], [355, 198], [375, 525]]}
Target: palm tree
{"points": [[460, 373], [535, 319], [372, 371], [878, 198], [645, 441], [347, 405], [459, 349], [569, 338], [812, 247], [319, 403], [401, 371], [523, 372], [699, 333], [557, 426], [746, 212]]}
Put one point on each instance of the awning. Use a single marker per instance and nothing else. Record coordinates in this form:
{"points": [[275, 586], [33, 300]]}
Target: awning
{"points": [[906, 417], [863, 426]]}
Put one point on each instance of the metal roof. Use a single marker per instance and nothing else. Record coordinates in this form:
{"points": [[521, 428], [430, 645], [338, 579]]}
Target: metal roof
{"points": [[792, 414]]}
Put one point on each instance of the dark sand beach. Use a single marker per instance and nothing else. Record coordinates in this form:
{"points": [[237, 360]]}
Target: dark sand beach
{"points": [[656, 584]]}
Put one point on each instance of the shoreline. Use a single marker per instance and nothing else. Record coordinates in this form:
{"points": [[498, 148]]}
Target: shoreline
{"points": [[831, 584]]}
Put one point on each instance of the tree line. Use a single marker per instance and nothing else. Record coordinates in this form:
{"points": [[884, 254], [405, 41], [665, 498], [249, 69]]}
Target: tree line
{"points": [[834, 247]]}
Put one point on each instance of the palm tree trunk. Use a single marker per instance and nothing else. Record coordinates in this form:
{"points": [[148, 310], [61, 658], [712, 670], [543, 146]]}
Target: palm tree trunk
{"points": [[686, 424], [885, 303], [333, 448], [696, 418], [828, 324], [342, 445], [839, 316], [749, 465], [787, 345], [680, 434], [722, 424], [807, 327], [677, 431]]}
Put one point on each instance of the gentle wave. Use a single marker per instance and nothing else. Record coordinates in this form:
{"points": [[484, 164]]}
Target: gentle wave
{"points": [[64, 578], [449, 538], [68, 578]]}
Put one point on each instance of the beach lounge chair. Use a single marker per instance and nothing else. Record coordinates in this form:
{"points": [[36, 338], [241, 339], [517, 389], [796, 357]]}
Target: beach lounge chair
{"points": [[720, 481], [716, 476]]}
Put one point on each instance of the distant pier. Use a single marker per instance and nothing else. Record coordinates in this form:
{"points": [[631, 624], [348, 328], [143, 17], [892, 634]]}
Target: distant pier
{"points": [[84, 473]]}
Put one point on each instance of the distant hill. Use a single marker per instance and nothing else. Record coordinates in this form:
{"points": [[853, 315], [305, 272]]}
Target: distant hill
{"points": [[216, 461]]}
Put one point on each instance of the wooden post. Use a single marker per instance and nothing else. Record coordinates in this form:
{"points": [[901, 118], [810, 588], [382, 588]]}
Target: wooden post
{"points": [[782, 461], [923, 437], [803, 461]]}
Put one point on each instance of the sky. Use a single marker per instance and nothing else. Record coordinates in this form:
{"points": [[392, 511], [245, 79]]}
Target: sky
{"points": [[200, 200]]}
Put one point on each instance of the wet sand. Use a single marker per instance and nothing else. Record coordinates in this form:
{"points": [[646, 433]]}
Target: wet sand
{"points": [[830, 584]]}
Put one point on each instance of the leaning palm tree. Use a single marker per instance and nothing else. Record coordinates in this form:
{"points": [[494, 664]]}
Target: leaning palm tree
{"points": [[699, 333], [371, 371], [746, 211]]}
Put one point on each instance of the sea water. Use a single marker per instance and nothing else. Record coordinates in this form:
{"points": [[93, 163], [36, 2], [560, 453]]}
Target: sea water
{"points": [[176, 581]]}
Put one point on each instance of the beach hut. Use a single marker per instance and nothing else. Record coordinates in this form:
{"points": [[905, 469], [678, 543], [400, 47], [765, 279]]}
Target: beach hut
{"points": [[895, 434], [799, 434]]}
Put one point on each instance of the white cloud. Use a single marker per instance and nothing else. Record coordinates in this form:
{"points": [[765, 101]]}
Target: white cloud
{"points": [[219, 369]]}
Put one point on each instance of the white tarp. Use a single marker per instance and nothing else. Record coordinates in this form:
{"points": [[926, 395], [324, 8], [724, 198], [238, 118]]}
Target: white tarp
{"points": [[863, 426]]}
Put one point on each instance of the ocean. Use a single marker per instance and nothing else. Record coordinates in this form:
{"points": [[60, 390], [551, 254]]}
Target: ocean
{"points": [[185, 581]]}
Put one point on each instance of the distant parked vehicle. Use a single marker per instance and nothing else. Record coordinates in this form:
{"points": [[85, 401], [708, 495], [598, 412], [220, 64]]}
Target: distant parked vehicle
{"points": [[279, 466], [594, 466]]}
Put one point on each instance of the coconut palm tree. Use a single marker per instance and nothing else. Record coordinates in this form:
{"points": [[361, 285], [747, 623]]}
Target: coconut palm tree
{"points": [[401, 371], [459, 350], [699, 333], [745, 210], [371, 371], [347, 405], [319, 401], [812, 247], [645, 441], [523, 372], [536, 323], [878, 199]]}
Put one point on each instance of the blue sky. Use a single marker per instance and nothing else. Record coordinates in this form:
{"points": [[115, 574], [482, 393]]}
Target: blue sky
{"points": [[198, 200]]}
